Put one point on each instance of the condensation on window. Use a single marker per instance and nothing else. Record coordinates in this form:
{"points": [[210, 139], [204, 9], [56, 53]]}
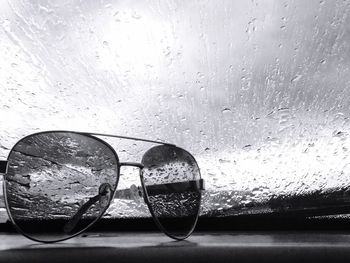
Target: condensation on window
{"points": [[257, 91]]}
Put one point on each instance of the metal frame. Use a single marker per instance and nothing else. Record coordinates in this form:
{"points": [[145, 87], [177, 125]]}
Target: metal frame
{"points": [[155, 218], [119, 165]]}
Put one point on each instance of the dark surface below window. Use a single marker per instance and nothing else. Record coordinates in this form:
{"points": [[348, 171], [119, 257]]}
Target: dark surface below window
{"points": [[227, 239]]}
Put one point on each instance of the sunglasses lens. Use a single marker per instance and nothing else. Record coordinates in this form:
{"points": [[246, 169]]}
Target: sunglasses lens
{"points": [[59, 183], [171, 179]]}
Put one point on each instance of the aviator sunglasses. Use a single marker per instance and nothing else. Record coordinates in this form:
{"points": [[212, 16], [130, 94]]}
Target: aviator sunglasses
{"points": [[59, 183]]}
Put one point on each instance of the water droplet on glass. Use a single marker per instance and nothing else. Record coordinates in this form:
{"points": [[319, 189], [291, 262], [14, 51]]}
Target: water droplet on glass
{"points": [[296, 78], [226, 110]]}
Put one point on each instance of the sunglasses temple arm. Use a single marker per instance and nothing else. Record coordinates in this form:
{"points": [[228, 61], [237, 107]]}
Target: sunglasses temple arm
{"points": [[71, 224], [134, 193], [128, 194], [82, 210], [105, 190]]}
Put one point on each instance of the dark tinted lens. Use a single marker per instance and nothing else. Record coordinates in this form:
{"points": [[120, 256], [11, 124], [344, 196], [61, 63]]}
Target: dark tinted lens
{"points": [[171, 179], [59, 183]]}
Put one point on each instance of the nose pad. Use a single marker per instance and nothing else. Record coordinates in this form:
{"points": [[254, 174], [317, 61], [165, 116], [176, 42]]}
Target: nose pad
{"points": [[105, 192], [103, 199], [104, 189]]}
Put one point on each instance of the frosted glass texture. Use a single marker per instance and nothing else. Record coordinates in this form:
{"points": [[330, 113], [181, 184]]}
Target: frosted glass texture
{"points": [[257, 91]]}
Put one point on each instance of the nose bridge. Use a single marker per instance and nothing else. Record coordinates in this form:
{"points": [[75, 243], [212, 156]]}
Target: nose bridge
{"points": [[134, 164]]}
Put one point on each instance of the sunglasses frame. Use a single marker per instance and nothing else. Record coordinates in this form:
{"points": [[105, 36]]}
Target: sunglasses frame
{"points": [[92, 135]]}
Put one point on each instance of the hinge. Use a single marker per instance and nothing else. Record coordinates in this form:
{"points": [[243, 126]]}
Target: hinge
{"points": [[3, 167], [201, 184]]}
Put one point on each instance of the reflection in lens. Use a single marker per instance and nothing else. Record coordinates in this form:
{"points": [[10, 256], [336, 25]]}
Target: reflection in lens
{"points": [[50, 178], [171, 179]]}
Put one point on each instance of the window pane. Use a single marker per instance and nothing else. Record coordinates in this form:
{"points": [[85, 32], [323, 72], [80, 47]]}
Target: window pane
{"points": [[258, 91]]}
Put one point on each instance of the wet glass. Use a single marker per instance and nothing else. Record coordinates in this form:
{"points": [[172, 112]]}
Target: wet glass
{"points": [[51, 175], [176, 206]]}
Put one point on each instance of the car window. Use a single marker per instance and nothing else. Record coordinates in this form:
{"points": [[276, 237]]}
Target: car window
{"points": [[258, 91]]}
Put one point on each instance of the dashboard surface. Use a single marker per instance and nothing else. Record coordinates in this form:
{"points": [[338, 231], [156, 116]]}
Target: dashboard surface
{"points": [[200, 247]]}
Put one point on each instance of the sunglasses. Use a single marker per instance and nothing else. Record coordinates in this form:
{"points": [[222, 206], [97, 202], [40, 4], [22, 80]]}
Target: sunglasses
{"points": [[57, 184]]}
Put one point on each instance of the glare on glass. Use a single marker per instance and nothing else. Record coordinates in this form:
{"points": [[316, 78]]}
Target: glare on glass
{"points": [[59, 183]]}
